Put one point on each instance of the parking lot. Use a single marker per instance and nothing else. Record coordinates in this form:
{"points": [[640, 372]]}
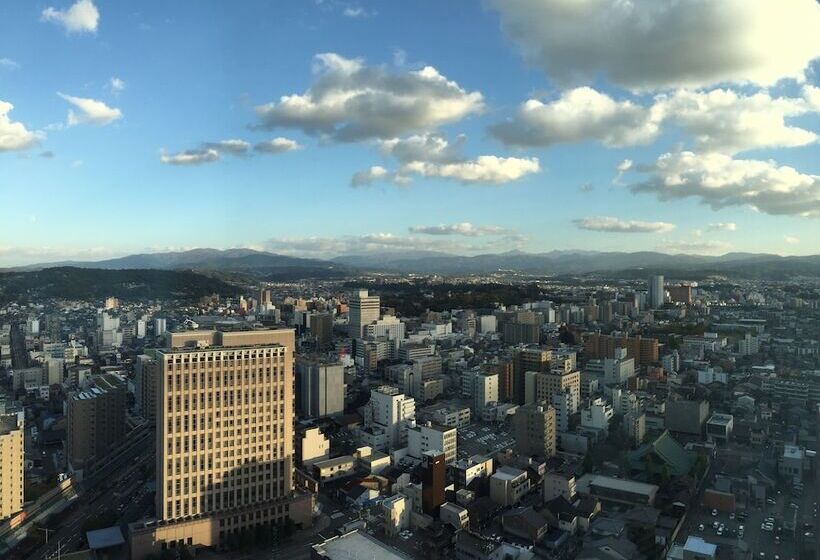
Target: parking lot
{"points": [[483, 439]]}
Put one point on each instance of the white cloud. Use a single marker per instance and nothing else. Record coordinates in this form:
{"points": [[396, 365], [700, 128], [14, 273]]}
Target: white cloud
{"points": [[277, 145], [791, 240], [579, 114], [711, 247], [483, 169], [233, 146], [191, 157], [722, 226], [723, 120], [616, 225], [431, 147], [642, 44], [350, 101], [116, 84], [91, 111], [81, 17], [719, 120], [369, 176], [720, 181], [463, 228], [9, 64], [14, 135], [357, 12]]}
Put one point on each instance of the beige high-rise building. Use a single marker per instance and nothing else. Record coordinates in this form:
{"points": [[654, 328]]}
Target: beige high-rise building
{"points": [[534, 428], [96, 420], [558, 380], [363, 310], [12, 457], [525, 359], [225, 438]]}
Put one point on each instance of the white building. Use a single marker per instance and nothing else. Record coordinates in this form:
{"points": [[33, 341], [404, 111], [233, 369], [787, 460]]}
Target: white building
{"points": [[657, 294], [748, 345], [432, 437], [390, 412], [620, 368], [597, 415], [487, 324], [363, 309]]}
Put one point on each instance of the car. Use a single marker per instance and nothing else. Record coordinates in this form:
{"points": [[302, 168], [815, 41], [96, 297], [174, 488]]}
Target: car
{"points": [[740, 527], [719, 532], [714, 513], [701, 527], [731, 516]]}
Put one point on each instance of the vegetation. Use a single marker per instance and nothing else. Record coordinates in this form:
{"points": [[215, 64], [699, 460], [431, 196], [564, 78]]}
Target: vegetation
{"points": [[89, 283]]}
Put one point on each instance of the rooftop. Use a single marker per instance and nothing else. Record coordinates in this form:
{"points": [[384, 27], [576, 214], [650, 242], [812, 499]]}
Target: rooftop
{"points": [[700, 546], [356, 546]]}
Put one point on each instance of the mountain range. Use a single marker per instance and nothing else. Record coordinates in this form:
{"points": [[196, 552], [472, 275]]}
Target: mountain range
{"points": [[274, 266]]}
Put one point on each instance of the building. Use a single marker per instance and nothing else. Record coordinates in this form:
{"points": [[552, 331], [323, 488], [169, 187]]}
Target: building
{"points": [[476, 467], [719, 428], [619, 369], [12, 459], [534, 429], [224, 447], [508, 485], [363, 309], [335, 468], [432, 437], [597, 415], [388, 414], [635, 424], [146, 371], [160, 326], [791, 463], [396, 511], [312, 446], [96, 420], [355, 544], [748, 345], [643, 350], [559, 380], [686, 416], [680, 294], [320, 387], [454, 515], [522, 333], [617, 490], [657, 295], [433, 481], [452, 415], [527, 359]]}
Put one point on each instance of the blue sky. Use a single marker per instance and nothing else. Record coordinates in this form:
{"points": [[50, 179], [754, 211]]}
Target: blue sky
{"points": [[723, 147]]}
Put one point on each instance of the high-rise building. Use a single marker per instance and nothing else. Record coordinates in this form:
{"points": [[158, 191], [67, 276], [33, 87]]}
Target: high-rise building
{"points": [[600, 346], [657, 295], [432, 437], [557, 381], [160, 326], [534, 429], [485, 391], [12, 459], [531, 358], [433, 480], [146, 369], [363, 310], [96, 420], [224, 438], [321, 327], [388, 414], [320, 387]]}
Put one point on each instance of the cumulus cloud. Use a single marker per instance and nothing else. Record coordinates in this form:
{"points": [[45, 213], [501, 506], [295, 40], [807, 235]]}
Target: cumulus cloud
{"points": [[710, 247], [14, 135], [725, 121], [431, 147], [722, 226], [483, 169], [579, 114], [719, 180], [81, 17], [233, 146], [616, 225], [190, 157], [719, 120], [9, 64], [91, 111], [641, 44], [350, 101], [374, 174], [277, 145], [463, 228]]}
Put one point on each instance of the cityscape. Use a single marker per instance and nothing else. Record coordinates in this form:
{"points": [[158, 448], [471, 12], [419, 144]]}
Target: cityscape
{"points": [[342, 280]]}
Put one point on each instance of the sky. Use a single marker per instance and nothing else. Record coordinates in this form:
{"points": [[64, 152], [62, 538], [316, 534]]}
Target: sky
{"points": [[321, 128]]}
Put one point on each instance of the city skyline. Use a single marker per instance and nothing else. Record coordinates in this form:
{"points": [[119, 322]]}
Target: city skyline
{"points": [[327, 128]]}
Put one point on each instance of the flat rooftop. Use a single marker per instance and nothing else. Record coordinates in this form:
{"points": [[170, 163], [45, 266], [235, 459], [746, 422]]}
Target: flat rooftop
{"points": [[615, 483], [356, 546]]}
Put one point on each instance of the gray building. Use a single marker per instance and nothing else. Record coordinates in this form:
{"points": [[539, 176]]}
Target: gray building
{"points": [[320, 388], [686, 417]]}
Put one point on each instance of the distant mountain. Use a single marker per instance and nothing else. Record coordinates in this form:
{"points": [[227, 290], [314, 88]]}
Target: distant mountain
{"points": [[91, 283], [585, 262], [229, 260]]}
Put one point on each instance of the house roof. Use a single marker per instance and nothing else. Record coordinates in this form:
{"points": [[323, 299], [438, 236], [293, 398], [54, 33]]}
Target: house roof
{"points": [[668, 450]]}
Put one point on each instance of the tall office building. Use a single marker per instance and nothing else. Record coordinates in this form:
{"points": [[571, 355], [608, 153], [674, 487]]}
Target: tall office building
{"points": [[320, 387], [321, 328], [96, 420], [558, 381], [657, 296], [224, 438], [363, 310], [433, 480], [530, 358], [12, 458], [146, 370], [160, 326], [534, 428]]}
